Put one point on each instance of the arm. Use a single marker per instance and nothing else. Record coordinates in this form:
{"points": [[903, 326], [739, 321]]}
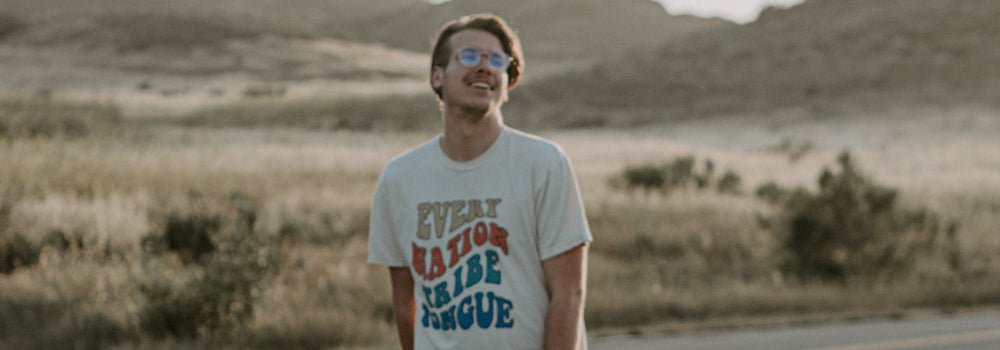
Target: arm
{"points": [[566, 284], [403, 306]]}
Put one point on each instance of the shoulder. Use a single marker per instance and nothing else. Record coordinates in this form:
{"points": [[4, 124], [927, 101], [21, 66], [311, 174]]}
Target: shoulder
{"points": [[409, 162], [534, 147]]}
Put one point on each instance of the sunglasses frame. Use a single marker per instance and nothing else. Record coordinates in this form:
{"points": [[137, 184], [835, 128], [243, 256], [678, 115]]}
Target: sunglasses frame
{"points": [[495, 59]]}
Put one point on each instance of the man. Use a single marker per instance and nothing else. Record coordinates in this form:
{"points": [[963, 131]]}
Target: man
{"points": [[482, 227]]}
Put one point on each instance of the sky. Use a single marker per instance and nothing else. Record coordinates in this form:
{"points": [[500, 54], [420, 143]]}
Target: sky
{"points": [[739, 11]]}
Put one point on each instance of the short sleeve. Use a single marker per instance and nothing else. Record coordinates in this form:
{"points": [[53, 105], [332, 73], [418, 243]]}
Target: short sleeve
{"points": [[383, 239], [561, 221]]}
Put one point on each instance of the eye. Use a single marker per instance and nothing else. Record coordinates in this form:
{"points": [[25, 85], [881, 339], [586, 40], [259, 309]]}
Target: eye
{"points": [[468, 56], [499, 60]]}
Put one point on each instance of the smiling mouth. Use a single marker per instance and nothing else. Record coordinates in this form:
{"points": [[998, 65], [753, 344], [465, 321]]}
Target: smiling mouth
{"points": [[481, 86]]}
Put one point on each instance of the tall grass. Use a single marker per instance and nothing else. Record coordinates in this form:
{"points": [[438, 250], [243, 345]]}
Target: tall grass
{"points": [[88, 220], [42, 117], [391, 113]]}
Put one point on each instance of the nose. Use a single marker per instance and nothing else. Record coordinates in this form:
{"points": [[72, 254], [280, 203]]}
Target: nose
{"points": [[484, 68], [484, 63]]}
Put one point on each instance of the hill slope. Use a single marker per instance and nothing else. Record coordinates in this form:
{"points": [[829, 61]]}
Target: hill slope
{"points": [[319, 17], [822, 53], [549, 29]]}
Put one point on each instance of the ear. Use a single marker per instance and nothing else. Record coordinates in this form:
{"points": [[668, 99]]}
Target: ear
{"points": [[437, 77]]}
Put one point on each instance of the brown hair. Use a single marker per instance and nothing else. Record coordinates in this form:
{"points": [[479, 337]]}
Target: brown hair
{"points": [[441, 53]]}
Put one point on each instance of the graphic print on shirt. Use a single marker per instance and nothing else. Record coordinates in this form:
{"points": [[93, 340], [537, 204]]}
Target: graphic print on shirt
{"points": [[456, 254]]}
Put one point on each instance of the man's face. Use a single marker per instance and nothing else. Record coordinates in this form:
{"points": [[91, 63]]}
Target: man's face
{"points": [[478, 88]]}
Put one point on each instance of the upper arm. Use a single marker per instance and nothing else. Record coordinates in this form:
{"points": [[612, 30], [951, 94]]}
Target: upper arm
{"points": [[566, 273], [402, 284], [561, 223]]}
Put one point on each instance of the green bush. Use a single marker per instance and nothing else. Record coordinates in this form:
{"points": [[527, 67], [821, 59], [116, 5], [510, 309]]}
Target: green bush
{"points": [[190, 236], [226, 282], [730, 183], [647, 177], [16, 252], [852, 229], [34, 322], [679, 173]]}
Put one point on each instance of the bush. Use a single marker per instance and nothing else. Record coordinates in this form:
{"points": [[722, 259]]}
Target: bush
{"points": [[17, 252], [190, 236], [220, 295], [33, 322], [680, 172], [853, 229], [647, 177], [730, 183]]}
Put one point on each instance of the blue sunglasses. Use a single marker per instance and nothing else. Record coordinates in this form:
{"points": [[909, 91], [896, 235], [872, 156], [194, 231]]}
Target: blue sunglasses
{"points": [[470, 57]]}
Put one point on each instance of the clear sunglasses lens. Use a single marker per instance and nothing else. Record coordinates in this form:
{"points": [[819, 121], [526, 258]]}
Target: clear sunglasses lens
{"points": [[499, 61], [468, 57]]}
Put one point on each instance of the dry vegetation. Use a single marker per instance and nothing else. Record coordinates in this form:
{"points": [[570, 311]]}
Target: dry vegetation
{"points": [[243, 225], [163, 236]]}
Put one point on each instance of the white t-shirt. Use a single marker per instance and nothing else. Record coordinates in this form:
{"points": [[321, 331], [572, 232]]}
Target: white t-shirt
{"points": [[474, 235]]}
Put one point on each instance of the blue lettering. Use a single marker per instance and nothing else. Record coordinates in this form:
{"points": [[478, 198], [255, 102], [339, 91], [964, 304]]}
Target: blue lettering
{"points": [[427, 294], [484, 318], [448, 319], [427, 314], [458, 282], [475, 271], [434, 318], [492, 275], [441, 296], [465, 312], [503, 313]]}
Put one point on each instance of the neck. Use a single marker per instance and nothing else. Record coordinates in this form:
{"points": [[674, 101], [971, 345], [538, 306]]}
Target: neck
{"points": [[468, 134]]}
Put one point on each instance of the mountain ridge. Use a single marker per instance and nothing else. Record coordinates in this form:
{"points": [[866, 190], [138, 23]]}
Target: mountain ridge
{"points": [[820, 55]]}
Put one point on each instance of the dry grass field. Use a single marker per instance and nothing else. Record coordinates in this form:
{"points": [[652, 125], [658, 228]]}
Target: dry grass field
{"points": [[99, 230], [189, 175]]}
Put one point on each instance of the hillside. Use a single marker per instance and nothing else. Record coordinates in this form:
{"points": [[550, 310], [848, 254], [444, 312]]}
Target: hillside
{"points": [[549, 29], [167, 58], [823, 54], [318, 17]]}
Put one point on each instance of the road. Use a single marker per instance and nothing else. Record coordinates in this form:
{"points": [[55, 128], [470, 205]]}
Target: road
{"points": [[963, 331]]}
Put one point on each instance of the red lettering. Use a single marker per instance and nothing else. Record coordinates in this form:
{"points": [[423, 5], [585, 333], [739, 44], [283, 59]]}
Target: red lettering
{"points": [[419, 254], [456, 252], [467, 244], [453, 249], [480, 234], [498, 237], [437, 264]]}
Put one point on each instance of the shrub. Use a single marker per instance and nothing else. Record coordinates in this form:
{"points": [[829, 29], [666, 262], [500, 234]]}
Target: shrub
{"points": [[771, 193], [17, 252], [227, 280], [647, 177], [679, 173], [853, 229], [190, 236], [34, 322], [730, 183]]}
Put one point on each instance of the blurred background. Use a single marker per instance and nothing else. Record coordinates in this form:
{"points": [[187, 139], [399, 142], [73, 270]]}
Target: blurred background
{"points": [[191, 174]]}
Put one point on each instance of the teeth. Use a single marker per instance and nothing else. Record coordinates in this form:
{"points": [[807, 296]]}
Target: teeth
{"points": [[481, 85]]}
